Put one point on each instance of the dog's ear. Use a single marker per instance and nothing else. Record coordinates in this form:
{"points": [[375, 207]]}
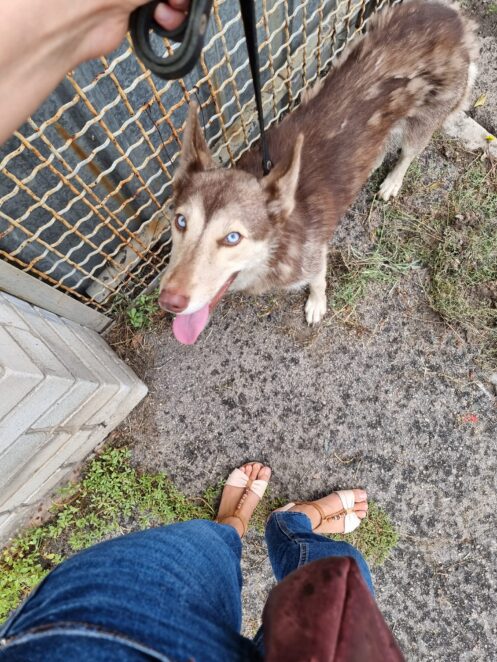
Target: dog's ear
{"points": [[280, 186], [195, 155]]}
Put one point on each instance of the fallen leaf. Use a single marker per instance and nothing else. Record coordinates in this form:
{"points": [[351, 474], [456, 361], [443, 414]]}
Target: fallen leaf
{"points": [[469, 418], [481, 101], [489, 138], [137, 340]]}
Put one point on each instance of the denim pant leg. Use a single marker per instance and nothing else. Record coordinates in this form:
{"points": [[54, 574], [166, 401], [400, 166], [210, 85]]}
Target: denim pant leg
{"points": [[174, 590], [291, 544]]}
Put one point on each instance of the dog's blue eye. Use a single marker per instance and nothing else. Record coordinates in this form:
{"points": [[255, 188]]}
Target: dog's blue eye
{"points": [[232, 238], [180, 222]]}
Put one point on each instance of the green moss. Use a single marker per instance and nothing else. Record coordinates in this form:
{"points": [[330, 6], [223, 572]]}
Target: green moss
{"points": [[140, 313], [375, 538]]}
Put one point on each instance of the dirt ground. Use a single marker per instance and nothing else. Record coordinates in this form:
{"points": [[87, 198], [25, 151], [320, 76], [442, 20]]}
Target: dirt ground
{"points": [[484, 12], [391, 401]]}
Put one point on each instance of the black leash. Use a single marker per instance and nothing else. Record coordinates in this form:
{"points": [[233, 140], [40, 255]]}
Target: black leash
{"points": [[247, 7], [191, 36]]}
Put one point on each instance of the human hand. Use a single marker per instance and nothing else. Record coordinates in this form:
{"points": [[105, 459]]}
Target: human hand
{"points": [[171, 14], [41, 40], [110, 24]]}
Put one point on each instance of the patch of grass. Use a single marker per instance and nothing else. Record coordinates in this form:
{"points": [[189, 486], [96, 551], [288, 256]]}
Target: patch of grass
{"points": [[457, 243], [375, 538], [128, 335], [492, 8], [114, 498], [22, 566], [455, 240], [139, 314], [359, 270], [141, 311]]}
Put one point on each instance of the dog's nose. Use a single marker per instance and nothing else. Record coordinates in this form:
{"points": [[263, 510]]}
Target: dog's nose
{"points": [[172, 301]]}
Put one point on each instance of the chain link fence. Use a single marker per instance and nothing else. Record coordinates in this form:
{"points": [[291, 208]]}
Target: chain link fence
{"points": [[85, 183]]}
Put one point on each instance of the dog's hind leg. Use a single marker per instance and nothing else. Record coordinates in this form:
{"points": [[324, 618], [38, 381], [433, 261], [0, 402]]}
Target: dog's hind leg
{"points": [[392, 144], [417, 134], [316, 304]]}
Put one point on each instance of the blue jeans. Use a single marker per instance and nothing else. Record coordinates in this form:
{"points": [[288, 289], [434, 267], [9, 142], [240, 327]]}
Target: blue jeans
{"points": [[170, 593]]}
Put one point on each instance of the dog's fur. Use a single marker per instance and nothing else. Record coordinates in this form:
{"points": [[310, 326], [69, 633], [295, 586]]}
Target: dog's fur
{"points": [[413, 67]]}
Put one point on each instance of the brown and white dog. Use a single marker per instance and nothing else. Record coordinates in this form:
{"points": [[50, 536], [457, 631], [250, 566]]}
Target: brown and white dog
{"points": [[236, 229]]}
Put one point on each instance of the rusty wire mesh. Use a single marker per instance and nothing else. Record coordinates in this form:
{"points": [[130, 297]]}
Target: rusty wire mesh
{"points": [[85, 183]]}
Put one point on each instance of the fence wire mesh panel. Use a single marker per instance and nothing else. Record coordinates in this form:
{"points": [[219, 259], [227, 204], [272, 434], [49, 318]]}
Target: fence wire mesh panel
{"points": [[85, 183]]}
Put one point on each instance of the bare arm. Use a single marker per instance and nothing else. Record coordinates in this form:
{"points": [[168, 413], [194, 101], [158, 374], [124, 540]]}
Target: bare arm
{"points": [[41, 40]]}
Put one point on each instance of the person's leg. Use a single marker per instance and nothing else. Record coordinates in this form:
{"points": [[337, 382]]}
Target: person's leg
{"points": [[174, 589], [292, 542]]}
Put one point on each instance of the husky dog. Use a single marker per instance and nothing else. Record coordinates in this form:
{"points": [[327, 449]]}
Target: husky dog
{"points": [[235, 229]]}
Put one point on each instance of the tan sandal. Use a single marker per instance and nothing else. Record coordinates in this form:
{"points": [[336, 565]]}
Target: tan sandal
{"points": [[347, 498], [239, 478]]}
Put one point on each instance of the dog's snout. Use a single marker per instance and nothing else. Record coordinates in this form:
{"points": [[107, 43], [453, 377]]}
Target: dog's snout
{"points": [[173, 301]]}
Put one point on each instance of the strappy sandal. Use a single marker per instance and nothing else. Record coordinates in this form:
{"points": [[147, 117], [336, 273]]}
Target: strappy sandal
{"points": [[239, 478], [348, 501]]}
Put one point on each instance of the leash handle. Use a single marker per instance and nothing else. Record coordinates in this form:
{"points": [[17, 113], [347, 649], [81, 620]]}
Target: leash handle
{"points": [[247, 8], [190, 34]]}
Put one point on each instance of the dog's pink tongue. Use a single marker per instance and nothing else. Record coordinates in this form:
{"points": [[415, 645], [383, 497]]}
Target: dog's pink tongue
{"points": [[187, 328]]}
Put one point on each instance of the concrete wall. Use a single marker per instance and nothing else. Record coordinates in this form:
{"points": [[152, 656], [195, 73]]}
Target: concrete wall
{"points": [[62, 391]]}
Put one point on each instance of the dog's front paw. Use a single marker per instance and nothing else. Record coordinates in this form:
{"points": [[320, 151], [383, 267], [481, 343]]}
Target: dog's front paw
{"points": [[390, 187], [315, 308]]}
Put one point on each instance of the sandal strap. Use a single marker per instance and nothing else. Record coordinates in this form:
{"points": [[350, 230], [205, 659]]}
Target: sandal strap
{"points": [[348, 501], [351, 521], [337, 514], [238, 478], [315, 505], [223, 519], [347, 498]]}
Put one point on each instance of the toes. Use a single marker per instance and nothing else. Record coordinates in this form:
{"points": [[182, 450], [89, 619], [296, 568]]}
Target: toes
{"points": [[264, 473], [249, 469], [361, 503], [255, 467], [360, 496], [256, 470]]}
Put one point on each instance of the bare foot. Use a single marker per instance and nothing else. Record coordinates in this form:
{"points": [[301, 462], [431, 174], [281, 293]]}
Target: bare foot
{"points": [[240, 501], [332, 504]]}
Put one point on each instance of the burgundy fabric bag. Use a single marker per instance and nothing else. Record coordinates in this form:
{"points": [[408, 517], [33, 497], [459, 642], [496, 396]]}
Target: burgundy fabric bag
{"points": [[323, 612]]}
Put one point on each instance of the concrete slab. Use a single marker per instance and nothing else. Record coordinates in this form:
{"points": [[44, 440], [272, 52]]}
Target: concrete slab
{"points": [[31, 474], [63, 391], [75, 407], [471, 134], [56, 381], [18, 375], [14, 457]]}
